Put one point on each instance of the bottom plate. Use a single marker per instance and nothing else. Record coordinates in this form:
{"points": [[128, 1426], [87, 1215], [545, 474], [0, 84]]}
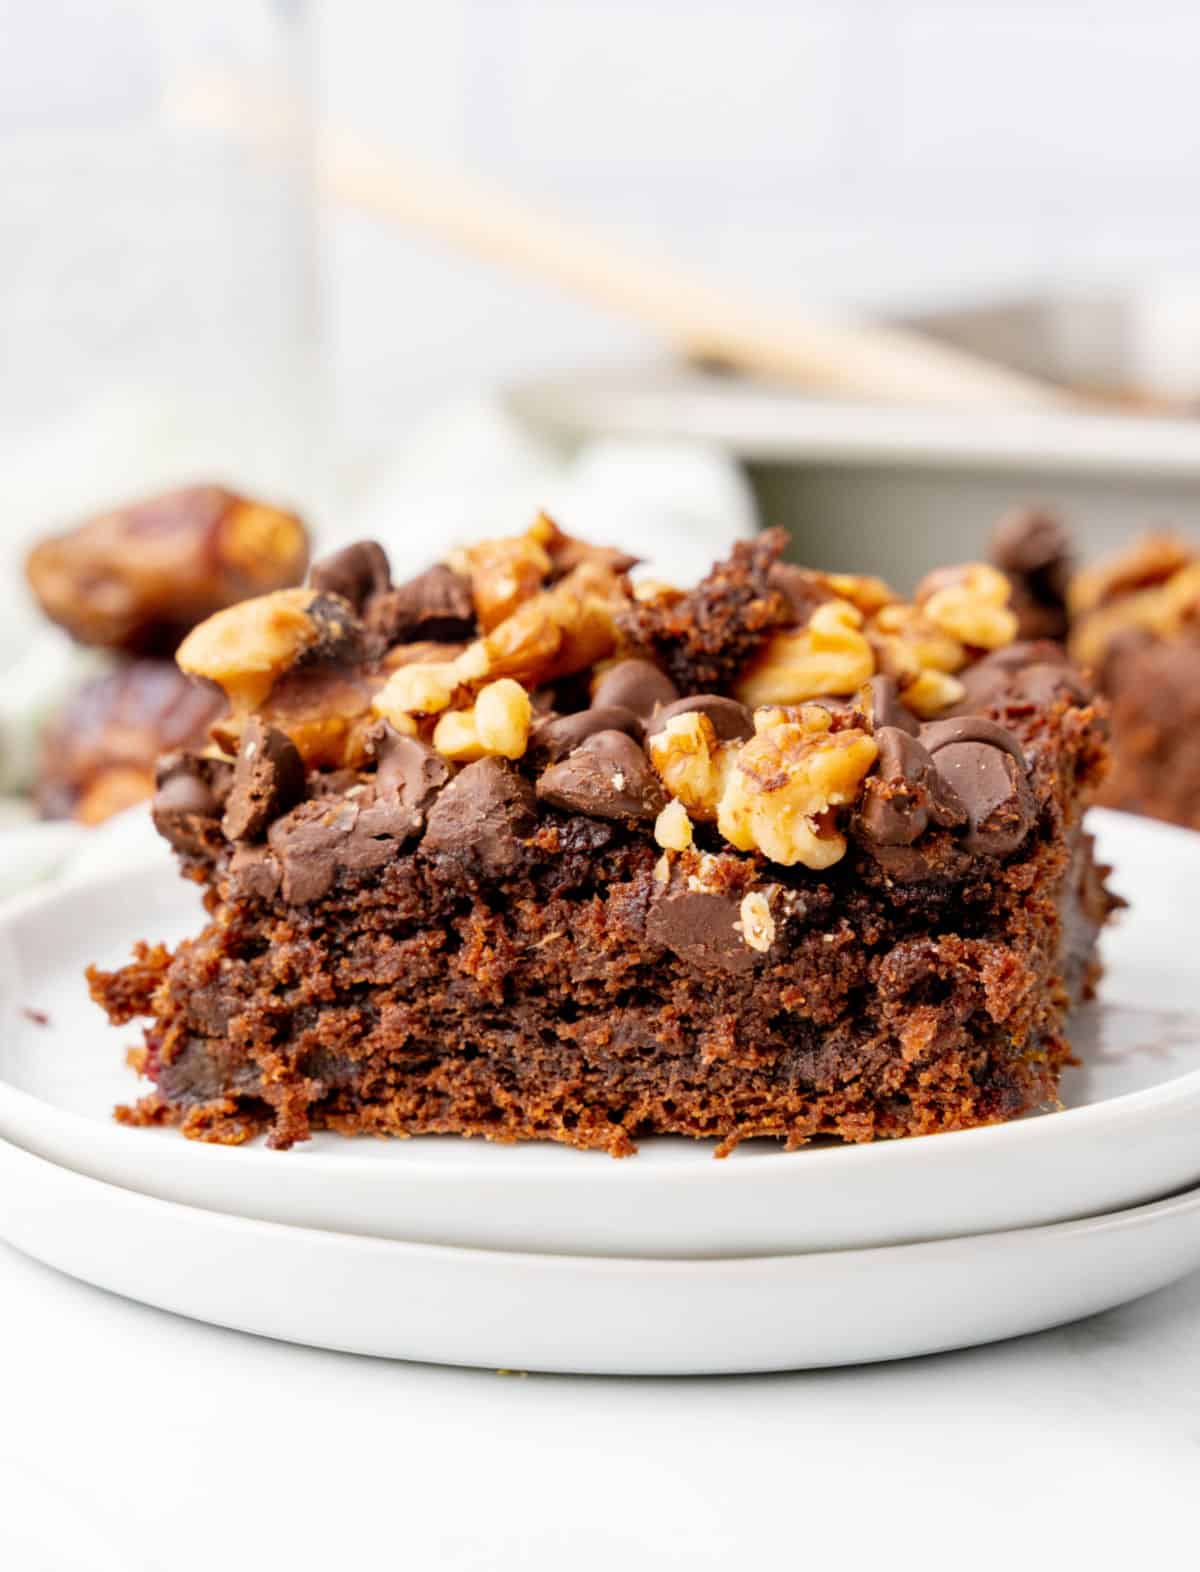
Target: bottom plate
{"points": [[599, 1315]]}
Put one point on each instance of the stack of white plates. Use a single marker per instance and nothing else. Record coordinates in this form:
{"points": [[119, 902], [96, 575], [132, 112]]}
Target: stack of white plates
{"points": [[538, 1257]]}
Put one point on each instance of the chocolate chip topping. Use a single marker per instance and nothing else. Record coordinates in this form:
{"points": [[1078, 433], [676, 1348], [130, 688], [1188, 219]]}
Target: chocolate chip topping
{"points": [[905, 794], [554, 737], [730, 720], [409, 771], [1034, 550], [356, 573], [1025, 675], [268, 779], [698, 926], [317, 840], [1024, 652], [607, 777], [256, 871], [1030, 541], [991, 782], [481, 820], [188, 799], [437, 605], [636, 685], [936, 735], [886, 708]]}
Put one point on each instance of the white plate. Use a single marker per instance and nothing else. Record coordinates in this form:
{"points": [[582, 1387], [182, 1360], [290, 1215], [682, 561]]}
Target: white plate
{"points": [[599, 1315], [1131, 1133]]}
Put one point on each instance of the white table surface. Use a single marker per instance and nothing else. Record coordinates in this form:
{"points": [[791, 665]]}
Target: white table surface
{"points": [[134, 1439]]}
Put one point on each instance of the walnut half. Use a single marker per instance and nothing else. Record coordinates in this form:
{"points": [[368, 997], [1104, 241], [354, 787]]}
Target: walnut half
{"points": [[783, 784]]}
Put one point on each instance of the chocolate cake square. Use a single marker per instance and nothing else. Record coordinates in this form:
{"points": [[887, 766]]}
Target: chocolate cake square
{"points": [[1132, 619], [526, 850]]}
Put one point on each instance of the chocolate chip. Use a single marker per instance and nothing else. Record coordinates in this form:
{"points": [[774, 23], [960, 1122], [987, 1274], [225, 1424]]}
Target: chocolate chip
{"points": [[698, 926], [437, 605], [255, 872], [990, 780], [905, 794], [939, 734], [553, 738], [409, 770], [886, 708], [730, 720], [1034, 550], [636, 685], [381, 828], [306, 843], [268, 779], [1024, 652], [356, 573], [1038, 687], [481, 820], [318, 839], [607, 777], [190, 793], [1027, 675]]}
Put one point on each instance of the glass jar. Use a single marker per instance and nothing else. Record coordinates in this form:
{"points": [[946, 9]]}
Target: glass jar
{"points": [[158, 318]]}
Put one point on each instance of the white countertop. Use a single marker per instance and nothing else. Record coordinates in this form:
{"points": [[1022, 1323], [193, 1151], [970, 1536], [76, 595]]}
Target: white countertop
{"points": [[134, 1439]]}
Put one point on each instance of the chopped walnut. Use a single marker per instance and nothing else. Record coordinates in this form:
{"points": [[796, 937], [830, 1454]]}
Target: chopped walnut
{"points": [[863, 590], [782, 784], [756, 924], [691, 762], [673, 828], [246, 648], [418, 689], [504, 574], [930, 693], [559, 631], [969, 603], [906, 643], [497, 725], [830, 655], [1162, 610], [503, 715], [1150, 561]]}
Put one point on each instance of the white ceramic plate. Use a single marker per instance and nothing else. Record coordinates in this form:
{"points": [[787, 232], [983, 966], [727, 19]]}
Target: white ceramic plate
{"points": [[604, 1316], [1131, 1132]]}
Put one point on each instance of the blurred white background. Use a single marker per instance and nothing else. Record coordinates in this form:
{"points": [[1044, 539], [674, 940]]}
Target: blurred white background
{"points": [[885, 152]]}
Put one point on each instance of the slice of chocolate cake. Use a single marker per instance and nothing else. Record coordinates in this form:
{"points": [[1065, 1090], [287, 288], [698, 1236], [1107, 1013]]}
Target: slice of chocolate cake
{"points": [[523, 851]]}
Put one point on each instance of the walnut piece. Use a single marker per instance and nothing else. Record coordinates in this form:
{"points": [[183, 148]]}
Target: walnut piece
{"points": [[755, 924], [423, 688], [246, 647], [931, 692], [1148, 562], [561, 630], [497, 725], [969, 603], [1163, 610], [830, 655], [784, 781], [673, 828], [691, 762], [503, 715], [504, 574]]}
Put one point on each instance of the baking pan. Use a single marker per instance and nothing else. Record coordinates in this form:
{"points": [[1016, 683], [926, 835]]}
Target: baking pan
{"points": [[898, 490]]}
